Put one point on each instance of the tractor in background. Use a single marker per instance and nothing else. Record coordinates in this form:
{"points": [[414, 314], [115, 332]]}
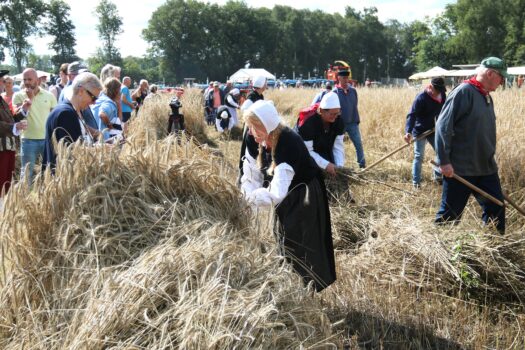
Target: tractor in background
{"points": [[333, 69]]}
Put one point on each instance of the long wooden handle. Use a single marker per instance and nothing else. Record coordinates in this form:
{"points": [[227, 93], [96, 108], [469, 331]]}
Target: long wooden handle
{"points": [[474, 188], [512, 203], [423, 135]]}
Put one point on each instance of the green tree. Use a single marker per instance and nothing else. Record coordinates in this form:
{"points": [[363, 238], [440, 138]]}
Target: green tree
{"points": [[436, 49], [61, 29], [40, 62], [514, 51], [148, 68], [20, 19], [109, 27], [476, 28], [413, 34], [178, 32], [363, 43]]}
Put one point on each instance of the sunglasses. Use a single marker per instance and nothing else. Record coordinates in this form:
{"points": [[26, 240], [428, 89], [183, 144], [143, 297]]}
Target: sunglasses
{"points": [[93, 97], [499, 74]]}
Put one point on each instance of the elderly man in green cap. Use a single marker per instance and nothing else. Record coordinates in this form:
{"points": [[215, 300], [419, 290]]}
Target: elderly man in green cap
{"points": [[466, 144]]}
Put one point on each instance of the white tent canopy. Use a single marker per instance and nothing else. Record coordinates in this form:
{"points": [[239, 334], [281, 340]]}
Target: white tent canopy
{"points": [[39, 73], [431, 73], [461, 73], [246, 74], [516, 70]]}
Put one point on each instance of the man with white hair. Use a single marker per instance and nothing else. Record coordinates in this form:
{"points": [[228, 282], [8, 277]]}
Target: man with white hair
{"points": [[66, 122], [323, 134], [127, 104], [41, 103], [466, 145]]}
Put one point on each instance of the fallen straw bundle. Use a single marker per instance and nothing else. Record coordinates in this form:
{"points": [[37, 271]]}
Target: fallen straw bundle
{"points": [[150, 249], [484, 267]]}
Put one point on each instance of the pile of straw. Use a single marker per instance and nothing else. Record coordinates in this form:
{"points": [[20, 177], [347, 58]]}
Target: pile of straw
{"points": [[151, 248]]}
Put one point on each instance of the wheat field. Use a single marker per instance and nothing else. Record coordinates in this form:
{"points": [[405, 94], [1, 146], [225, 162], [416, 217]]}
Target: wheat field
{"points": [[153, 247]]}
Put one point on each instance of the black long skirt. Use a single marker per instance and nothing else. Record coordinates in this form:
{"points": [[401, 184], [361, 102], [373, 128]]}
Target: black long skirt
{"points": [[305, 233]]}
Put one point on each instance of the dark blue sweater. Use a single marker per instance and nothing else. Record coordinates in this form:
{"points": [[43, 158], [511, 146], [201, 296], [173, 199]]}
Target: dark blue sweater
{"points": [[62, 123], [348, 101], [423, 115]]}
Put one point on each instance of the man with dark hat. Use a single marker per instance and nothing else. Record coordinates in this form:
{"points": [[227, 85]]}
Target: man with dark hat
{"points": [[348, 100], [466, 144], [421, 118], [73, 69], [10, 128]]}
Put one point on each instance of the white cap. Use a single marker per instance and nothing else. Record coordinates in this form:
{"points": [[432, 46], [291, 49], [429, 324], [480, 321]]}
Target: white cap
{"points": [[224, 115], [259, 81], [267, 114], [330, 100], [235, 91]]}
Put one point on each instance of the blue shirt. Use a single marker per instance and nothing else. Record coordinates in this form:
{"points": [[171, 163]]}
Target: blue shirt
{"points": [[125, 94], [62, 97], [106, 105], [348, 101]]}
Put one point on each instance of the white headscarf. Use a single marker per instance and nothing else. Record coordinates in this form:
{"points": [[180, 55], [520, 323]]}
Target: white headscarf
{"points": [[267, 114], [330, 100]]}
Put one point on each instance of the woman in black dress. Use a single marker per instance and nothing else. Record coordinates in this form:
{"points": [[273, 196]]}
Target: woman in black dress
{"points": [[278, 171]]}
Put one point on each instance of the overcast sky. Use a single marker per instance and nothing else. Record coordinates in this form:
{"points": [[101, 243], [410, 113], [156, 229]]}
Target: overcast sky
{"points": [[136, 14]]}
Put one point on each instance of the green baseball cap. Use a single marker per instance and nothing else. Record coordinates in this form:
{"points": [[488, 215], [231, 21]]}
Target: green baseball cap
{"points": [[497, 64]]}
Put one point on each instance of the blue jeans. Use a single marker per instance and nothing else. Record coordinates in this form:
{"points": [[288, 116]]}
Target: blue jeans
{"points": [[29, 152], [355, 135], [419, 157], [455, 197]]}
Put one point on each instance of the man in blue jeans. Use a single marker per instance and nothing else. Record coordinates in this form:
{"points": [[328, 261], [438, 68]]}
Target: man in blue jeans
{"points": [[466, 144], [422, 118], [40, 103], [348, 101]]}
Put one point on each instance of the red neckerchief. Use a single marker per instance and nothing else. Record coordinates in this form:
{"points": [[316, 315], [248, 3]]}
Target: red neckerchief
{"points": [[430, 94], [338, 86], [472, 81]]}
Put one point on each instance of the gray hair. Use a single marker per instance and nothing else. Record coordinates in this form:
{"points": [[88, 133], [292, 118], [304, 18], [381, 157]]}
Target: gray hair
{"points": [[87, 80], [108, 71]]}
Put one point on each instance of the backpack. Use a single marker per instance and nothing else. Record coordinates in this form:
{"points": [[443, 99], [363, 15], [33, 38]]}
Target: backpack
{"points": [[306, 113]]}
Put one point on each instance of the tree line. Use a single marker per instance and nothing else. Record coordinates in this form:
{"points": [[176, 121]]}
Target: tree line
{"points": [[189, 38]]}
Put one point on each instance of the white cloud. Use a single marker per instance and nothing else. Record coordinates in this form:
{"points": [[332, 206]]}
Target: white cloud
{"points": [[135, 15]]}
